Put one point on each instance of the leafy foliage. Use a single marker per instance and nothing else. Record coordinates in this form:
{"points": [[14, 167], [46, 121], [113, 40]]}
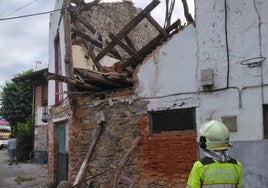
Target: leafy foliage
{"points": [[25, 141], [16, 103], [16, 107]]}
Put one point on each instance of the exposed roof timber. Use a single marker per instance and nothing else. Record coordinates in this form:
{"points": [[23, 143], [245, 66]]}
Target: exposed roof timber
{"points": [[148, 48], [156, 25], [72, 81], [102, 78], [92, 80], [83, 21], [120, 75], [129, 27], [187, 15], [87, 37], [129, 50], [130, 43]]}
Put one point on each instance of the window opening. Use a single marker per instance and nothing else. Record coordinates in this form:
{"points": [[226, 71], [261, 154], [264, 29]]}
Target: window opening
{"points": [[172, 120]]}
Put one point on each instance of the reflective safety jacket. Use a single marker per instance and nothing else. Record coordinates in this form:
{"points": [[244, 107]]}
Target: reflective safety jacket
{"points": [[211, 173]]}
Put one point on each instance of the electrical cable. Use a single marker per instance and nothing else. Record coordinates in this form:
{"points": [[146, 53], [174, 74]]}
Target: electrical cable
{"points": [[36, 14], [226, 41], [20, 8]]}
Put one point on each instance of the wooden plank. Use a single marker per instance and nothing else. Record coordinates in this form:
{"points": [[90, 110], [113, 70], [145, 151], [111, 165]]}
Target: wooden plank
{"points": [[148, 48], [67, 38], [72, 81], [83, 21], [90, 75], [81, 174], [129, 50], [124, 160], [87, 37], [135, 21], [156, 25], [187, 15], [130, 43]]}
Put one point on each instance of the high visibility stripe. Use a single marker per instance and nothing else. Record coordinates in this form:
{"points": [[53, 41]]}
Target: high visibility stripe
{"points": [[215, 174]]}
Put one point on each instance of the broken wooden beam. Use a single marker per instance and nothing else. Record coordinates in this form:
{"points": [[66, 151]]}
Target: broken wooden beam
{"points": [[157, 26], [93, 76], [148, 48], [129, 42], [187, 15], [72, 81], [83, 21], [81, 174], [129, 50], [87, 37], [135, 21], [124, 160]]}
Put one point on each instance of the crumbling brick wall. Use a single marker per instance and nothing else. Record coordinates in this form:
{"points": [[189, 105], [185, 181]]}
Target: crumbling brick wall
{"points": [[160, 160]]}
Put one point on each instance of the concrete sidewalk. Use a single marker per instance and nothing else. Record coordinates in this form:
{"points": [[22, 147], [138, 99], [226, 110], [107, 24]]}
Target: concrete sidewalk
{"points": [[36, 173]]}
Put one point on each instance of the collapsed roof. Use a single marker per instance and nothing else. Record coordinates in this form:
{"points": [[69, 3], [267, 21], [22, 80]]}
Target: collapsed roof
{"points": [[119, 31]]}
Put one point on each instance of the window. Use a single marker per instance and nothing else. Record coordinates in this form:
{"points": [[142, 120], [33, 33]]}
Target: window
{"points": [[172, 120], [44, 111], [230, 122]]}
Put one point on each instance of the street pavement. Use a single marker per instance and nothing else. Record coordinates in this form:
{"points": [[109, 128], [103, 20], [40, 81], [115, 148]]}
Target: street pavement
{"points": [[8, 174]]}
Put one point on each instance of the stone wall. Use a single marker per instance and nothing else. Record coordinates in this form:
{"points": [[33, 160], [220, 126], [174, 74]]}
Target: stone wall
{"points": [[160, 160], [40, 138]]}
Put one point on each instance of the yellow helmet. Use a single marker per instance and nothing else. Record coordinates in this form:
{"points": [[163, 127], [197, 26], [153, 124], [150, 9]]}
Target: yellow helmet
{"points": [[214, 135]]}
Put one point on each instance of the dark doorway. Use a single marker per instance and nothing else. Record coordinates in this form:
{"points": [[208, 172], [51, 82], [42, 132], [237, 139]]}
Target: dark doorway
{"points": [[62, 171]]}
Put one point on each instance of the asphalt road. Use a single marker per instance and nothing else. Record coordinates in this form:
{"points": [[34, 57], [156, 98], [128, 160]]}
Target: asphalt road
{"points": [[8, 174]]}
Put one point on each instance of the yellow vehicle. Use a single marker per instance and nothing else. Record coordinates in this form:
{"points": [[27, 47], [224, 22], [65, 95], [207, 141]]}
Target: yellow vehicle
{"points": [[5, 131]]}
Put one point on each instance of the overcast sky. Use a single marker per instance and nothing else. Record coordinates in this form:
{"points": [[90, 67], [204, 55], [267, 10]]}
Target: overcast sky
{"points": [[24, 41]]}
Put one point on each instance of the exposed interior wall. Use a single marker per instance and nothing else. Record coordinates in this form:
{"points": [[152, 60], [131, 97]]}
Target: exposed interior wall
{"points": [[168, 155], [172, 67]]}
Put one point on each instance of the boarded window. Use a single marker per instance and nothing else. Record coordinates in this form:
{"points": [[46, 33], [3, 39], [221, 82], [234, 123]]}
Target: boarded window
{"points": [[172, 120]]}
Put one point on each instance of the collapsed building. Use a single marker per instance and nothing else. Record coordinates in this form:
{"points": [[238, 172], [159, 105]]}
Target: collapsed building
{"points": [[101, 132]]}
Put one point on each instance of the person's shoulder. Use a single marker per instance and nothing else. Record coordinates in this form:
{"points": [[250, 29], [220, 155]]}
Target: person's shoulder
{"points": [[206, 160], [239, 163], [234, 161], [199, 163]]}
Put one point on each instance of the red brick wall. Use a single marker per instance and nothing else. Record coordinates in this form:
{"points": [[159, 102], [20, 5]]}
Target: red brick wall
{"points": [[166, 158], [160, 160]]}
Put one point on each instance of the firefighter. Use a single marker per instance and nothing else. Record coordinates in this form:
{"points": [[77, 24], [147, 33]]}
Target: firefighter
{"points": [[217, 168]]}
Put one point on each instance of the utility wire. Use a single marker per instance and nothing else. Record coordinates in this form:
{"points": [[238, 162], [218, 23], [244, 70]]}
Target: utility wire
{"points": [[20, 8], [29, 15]]}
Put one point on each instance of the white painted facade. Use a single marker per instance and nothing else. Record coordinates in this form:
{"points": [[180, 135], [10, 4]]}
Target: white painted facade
{"points": [[178, 83], [56, 25], [175, 69]]}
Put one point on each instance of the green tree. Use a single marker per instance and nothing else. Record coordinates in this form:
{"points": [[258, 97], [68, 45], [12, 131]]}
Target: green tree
{"points": [[16, 104], [16, 107]]}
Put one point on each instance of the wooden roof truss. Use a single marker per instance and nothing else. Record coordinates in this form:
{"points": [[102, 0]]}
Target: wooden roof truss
{"points": [[120, 75]]}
